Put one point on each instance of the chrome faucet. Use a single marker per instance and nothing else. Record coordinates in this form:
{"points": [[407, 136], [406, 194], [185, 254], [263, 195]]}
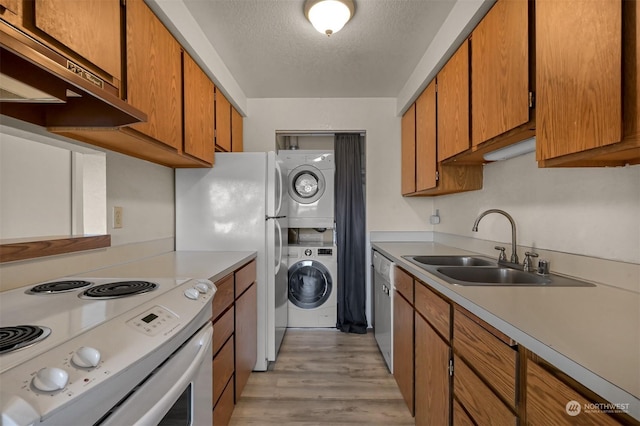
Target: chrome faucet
{"points": [[514, 253]]}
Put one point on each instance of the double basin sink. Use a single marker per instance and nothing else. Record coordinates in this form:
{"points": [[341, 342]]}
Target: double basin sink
{"points": [[482, 271]]}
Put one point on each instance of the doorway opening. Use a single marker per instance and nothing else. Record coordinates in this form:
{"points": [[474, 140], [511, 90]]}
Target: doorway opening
{"points": [[347, 229]]}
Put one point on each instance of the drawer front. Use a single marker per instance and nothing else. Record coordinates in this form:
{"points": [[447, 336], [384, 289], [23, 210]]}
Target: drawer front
{"points": [[223, 327], [484, 407], [245, 276], [547, 399], [404, 284], [494, 360], [224, 408], [460, 417], [434, 308], [246, 336], [224, 295], [223, 367]]}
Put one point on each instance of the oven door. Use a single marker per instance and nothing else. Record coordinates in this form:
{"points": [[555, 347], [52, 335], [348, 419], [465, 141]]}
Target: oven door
{"points": [[179, 392]]}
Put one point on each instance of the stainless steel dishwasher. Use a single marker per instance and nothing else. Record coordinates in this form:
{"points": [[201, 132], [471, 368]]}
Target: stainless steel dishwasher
{"points": [[383, 270]]}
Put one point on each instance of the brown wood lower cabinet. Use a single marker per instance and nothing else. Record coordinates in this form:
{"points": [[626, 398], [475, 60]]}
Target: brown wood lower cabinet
{"points": [[432, 382], [224, 408], [246, 335], [493, 380], [484, 371], [403, 348], [460, 416], [491, 357], [484, 407], [222, 369], [551, 401], [234, 338]]}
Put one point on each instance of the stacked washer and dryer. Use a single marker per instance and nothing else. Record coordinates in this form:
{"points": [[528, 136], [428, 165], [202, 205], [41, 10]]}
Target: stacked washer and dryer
{"points": [[313, 266]]}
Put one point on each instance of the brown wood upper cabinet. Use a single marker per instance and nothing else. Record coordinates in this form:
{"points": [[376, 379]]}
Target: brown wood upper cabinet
{"points": [[223, 122], [154, 75], [86, 31], [500, 76], [237, 132], [9, 7], [426, 154], [583, 49], [174, 92], [198, 111], [453, 104], [90, 28], [422, 173], [408, 147], [419, 143], [229, 125]]}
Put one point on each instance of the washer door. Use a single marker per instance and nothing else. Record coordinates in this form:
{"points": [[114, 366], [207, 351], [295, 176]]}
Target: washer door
{"points": [[310, 284], [306, 184]]}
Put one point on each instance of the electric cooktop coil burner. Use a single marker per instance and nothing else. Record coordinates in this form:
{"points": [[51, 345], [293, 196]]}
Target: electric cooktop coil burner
{"points": [[118, 289], [58, 286], [20, 336]]}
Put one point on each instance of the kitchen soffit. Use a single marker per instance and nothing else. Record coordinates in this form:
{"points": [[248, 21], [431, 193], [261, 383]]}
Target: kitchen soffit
{"points": [[273, 51]]}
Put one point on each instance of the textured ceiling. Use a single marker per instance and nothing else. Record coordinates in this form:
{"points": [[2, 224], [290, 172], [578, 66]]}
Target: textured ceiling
{"points": [[272, 51]]}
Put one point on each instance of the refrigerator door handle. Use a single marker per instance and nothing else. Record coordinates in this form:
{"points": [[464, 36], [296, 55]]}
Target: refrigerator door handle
{"points": [[279, 259], [280, 187]]}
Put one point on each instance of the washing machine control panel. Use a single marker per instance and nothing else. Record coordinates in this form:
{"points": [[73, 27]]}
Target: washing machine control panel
{"points": [[324, 252], [308, 252]]}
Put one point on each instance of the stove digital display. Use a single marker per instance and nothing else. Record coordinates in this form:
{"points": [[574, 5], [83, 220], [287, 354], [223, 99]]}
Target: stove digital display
{"points": [[149, 318]]}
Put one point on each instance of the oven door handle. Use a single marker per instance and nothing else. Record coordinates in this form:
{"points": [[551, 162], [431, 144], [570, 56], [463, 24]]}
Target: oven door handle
{"points": [[158, 411]]}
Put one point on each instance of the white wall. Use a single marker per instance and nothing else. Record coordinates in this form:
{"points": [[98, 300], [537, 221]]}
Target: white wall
{"points": [[35, 189], [386, 209], [588, 211], [145, 191]]}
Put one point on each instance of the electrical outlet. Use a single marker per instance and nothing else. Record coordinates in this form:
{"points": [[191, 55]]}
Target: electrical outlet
{"points": [[117, 217], [434, 219]]}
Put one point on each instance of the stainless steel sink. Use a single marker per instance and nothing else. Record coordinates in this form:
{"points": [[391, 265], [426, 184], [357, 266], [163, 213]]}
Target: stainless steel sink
{"points": [[502, 276], [482, 271], [492, 276], [450, 260]]}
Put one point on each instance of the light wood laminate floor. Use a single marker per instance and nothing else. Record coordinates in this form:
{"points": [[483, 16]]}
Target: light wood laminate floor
{"points": [[323, 377]]}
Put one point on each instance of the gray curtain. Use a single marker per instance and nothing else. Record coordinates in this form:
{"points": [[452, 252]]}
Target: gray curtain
{"points": [[350, 232]]}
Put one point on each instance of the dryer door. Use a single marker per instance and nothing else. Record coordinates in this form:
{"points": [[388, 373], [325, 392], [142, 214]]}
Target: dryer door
{"points": [[306, 184], [310, 284]]}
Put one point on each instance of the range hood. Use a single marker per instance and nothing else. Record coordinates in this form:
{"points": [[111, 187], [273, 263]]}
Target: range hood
{"points": [[40, 86]]}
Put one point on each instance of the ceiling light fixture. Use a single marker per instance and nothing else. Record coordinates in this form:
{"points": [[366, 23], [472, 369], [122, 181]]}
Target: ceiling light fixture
{"points": [[329, 16]]}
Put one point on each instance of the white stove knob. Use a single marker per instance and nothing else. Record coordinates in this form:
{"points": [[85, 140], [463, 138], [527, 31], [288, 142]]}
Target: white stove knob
{"points": [[202, 288], [50, 379], [206, 282], [86, 357], [192, 293], [16, 411]]}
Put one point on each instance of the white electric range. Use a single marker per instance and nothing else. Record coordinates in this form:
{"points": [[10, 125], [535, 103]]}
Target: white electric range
{"points": [[82, 351]]}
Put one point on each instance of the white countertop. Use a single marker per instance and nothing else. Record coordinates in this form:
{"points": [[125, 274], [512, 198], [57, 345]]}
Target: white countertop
{"points": [[212, 265], [590, 333]]}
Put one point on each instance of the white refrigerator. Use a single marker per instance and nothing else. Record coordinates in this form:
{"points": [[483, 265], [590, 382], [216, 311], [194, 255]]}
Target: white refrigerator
{"points": [[241, 204]]}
